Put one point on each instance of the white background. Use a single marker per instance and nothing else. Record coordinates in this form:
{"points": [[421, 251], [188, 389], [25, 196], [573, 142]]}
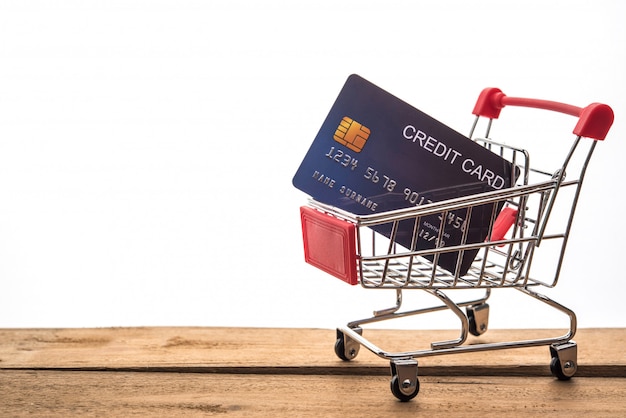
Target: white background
{"points": [[147, 149]]}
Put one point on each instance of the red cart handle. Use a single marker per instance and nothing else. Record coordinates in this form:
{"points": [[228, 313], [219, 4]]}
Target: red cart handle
{"points": [[594, 121]]}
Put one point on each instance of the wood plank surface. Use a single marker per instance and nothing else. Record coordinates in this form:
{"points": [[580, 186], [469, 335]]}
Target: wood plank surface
{"points": [[294, 372], [300, 351], [123, 394]]}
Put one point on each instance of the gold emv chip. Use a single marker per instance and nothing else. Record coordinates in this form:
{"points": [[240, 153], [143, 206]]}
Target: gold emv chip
{"points": [[351, 134]]}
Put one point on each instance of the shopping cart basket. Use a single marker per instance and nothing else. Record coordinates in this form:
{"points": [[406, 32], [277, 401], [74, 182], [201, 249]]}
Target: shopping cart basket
{"points": [[346, 246]]}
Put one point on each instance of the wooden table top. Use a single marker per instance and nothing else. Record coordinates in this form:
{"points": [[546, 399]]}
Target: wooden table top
{"points": [[183, 371]]}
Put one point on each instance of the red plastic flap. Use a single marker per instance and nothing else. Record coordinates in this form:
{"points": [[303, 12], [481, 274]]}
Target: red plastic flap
{"points": [[503, 223], [329, 244]]}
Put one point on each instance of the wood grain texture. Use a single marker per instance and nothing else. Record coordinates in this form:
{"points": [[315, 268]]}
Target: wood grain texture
{"points": [[295, 351], [69, 393], [294, 372]]}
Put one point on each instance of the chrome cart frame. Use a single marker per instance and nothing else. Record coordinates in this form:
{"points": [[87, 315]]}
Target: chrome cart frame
{"points": [[503, 260]]}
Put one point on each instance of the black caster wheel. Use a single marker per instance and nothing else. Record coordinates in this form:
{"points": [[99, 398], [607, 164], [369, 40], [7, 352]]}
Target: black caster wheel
{"points": [[345, 347], [478, 319], [404, 383], [404, 391], [557, 370], [564, 360]]}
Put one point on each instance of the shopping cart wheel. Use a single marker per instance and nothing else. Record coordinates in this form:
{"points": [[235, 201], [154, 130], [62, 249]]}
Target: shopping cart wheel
{"points": [[404, 382], [345, 347], [478, 318], [564, 360]]}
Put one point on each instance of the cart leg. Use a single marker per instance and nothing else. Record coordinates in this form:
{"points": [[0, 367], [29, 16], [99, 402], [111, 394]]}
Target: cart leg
{"points": [[459, 313], [404, 382], [558, 306], [564, 360], [392, 310], [345, 347]]}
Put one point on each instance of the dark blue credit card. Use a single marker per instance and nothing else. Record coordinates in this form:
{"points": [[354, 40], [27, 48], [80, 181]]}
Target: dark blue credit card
{"points": [[376, 153]]}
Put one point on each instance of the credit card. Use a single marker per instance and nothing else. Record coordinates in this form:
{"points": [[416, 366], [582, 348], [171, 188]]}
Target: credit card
{"points": [[375, 153]]}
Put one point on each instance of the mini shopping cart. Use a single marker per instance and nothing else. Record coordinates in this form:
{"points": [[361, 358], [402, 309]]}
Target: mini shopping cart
{"points": [[346, 246]]}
